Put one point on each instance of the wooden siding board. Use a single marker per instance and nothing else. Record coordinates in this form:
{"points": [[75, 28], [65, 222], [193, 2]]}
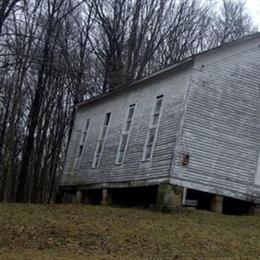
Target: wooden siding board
{"points": [[173, 86], [221, 129], [257, 176]]}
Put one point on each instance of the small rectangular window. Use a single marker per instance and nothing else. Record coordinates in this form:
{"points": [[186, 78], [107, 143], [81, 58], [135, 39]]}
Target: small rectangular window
{"points": [[124, 141], [153, 129], [80, 150], [151, 136], [155, 119], [158, 106], [101, 141], [125, 135], [131, 113], [107, 118], [103, 133]]}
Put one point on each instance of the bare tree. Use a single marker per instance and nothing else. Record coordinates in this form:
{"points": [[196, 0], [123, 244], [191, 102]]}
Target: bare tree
{"points": [[56, 12], [6, 7], [231, 23], [135, 38]]}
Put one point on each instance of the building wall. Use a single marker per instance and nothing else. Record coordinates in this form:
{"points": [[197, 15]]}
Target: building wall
{"points": [[221, 124], [173, 86]]}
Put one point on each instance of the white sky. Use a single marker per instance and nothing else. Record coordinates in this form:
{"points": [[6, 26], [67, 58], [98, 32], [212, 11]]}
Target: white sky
{"points": [[253, 7]]}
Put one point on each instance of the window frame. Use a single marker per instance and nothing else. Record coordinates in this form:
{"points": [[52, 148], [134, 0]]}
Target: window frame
{"points": [[82, 143], [125, 132], [105, 125], [152, 127]]}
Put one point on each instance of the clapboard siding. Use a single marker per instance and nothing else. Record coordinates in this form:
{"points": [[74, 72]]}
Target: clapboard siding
{"points": [[173, 86], [221, 127], [211, 111]]}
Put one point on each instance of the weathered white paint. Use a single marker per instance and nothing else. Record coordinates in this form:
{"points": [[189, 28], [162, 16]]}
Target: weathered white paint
{"points": [[173, 87], [221, 125], [211, 111], [257, 176]]}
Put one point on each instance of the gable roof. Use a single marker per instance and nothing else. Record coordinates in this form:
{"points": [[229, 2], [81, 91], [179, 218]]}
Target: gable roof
{"points": [[182, 64]]}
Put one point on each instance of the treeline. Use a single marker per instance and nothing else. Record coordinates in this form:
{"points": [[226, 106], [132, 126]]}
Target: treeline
{"points": [[55, 53]]}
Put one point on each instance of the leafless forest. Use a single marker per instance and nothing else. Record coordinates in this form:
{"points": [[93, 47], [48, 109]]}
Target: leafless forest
{"points": [[55, 53]]}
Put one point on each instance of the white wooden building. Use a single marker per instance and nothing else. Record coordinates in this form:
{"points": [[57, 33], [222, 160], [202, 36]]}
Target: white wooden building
{"points": [[193, 126]]}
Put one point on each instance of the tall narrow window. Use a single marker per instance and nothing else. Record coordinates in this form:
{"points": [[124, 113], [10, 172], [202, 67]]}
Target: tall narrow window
{"points": [[80, 149], [125, 135], [152, 131], [101, 141]]}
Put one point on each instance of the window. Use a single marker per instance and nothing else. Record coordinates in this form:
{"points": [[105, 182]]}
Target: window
{"points": [[152, 131], [101, 141], [125, 135], [81, 145]]}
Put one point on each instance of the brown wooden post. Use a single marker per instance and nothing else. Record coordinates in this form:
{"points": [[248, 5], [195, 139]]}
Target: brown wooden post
{"points": [[169, 197], [78, 199], [106, 199], [216, 204], [255, 210]]}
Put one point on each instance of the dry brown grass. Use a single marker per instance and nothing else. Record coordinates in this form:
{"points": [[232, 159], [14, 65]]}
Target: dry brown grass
{"points": [[93, 232]]}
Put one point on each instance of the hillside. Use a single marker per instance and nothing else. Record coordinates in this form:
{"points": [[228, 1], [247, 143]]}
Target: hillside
{"points": [[94, 232]]}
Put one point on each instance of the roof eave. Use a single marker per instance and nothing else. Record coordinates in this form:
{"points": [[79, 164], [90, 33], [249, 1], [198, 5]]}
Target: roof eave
{"points": [[174, 68]]}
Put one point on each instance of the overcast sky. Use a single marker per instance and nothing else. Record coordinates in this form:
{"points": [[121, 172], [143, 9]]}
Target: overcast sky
{"points": [[253, 7]]}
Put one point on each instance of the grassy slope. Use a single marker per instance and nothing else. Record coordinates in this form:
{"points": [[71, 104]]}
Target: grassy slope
{"points": [[78, 232]]}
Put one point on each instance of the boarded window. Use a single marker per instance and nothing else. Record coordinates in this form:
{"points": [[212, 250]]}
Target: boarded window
{"points": [[125, 135], [153, 129], [101, 141], [82, 143]]}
